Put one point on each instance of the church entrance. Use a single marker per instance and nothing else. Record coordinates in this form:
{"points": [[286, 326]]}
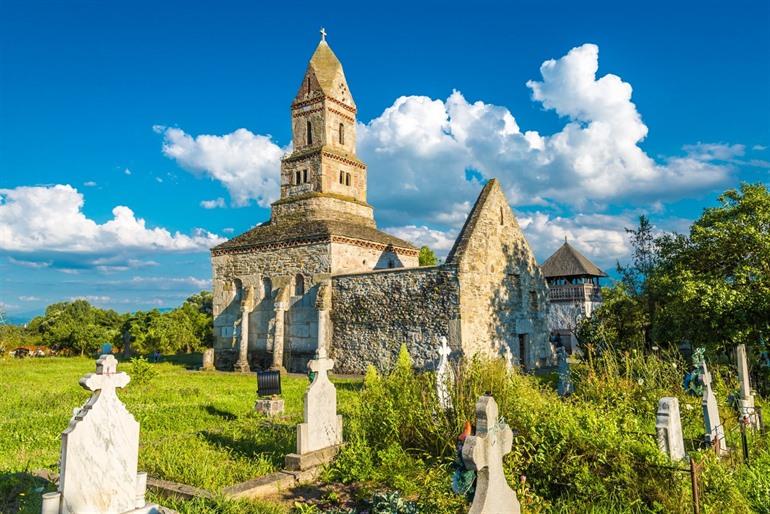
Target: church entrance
{"points": [[523, 351]]}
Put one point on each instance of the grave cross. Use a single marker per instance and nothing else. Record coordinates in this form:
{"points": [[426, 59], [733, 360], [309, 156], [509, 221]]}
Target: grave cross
{"points": [[321, 364], [106, 378], [715, 434], [484, 453], [443, 375], [444, 350]]}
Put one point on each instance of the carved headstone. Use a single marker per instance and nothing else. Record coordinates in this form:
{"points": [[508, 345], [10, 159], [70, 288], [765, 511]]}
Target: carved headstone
{"points": [[668, 427], [208, 359], [444, 375], [746, 401], [322, 427], [484, 453], [715, 434], [100, 448]]}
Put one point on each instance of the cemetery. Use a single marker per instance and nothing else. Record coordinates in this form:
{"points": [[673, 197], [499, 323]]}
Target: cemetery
{"points": [[194, 440], [331, 361]]}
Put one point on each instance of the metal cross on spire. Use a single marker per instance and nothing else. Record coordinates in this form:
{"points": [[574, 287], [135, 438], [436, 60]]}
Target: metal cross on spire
{"points": [[323, 34]]}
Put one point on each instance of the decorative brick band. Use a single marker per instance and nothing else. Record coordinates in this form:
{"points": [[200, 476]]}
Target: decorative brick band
{"points": [[376, 246], [351, 119], [311, 101], [350, 162], [311, 241], [344, 106], [297, 114]]}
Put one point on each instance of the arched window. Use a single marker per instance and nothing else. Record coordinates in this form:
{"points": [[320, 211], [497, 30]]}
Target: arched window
{"points": [[297, 177], [299, 285], [342, 134], [304, 176], [309, 138], [347, 179], [267, 287], [342, 177], [502, 221], [391, 264]]}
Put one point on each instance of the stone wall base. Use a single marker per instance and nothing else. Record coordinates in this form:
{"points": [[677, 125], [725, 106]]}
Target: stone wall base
{"points": [[269, 406], [301, 462]]}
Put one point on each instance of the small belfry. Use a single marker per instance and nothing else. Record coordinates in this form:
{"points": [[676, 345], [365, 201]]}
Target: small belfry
{"points": [[322, 176]]}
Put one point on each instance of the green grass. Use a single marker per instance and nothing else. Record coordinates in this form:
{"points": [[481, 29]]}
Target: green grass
{"points": [[198, 428]]}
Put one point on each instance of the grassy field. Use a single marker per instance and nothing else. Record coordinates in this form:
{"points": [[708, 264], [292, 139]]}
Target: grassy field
{"points": [[198, 428]]}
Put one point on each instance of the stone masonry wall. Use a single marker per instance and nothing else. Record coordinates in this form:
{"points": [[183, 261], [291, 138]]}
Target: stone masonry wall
{"points": [[349, 258], [374, 313], [277, 269], [503, 291]]}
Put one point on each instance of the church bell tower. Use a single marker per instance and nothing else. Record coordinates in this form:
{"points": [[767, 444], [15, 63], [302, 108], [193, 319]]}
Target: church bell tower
{"points": [[322, 178]]}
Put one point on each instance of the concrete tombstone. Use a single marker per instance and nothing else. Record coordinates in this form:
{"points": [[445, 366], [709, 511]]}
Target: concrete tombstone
{"points": [[746, 400], [715, 433], [484, 453], [668, 428]]}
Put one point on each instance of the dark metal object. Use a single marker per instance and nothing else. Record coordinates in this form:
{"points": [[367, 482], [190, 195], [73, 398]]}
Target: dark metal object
{"points": [[695, 491], [744, 443], [268, 383], [761, 421]]}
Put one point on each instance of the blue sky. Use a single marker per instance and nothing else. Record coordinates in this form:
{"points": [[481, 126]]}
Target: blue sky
{"points": [[120, 122]]}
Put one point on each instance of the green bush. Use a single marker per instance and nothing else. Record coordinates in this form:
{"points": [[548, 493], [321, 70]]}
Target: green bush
{"points": [[594, 452]]}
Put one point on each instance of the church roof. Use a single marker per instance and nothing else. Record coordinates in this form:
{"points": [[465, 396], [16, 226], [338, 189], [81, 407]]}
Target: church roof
{"points": [[568, 262], [280, 234], [326, 66]]}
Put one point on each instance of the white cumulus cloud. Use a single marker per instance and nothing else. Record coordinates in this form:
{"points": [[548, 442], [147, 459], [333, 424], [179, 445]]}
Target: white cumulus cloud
{"points": [[50, 219], [245, 163], [213, 204]]}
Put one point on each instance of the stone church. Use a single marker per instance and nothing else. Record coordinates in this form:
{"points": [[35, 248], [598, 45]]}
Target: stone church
{"points": [[320, 270]]}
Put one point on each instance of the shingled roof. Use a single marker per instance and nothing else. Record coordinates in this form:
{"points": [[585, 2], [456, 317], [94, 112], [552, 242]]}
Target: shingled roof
{"points": [[568, 262], [307, 231]]}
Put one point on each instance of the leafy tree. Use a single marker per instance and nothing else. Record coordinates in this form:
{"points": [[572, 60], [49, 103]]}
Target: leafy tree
{"points": [[618, 323], [427, 257], [717, 280], [637, 278]]}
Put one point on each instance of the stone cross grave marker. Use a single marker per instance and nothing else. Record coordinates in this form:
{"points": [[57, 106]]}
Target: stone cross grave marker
{"points": [[444, 375], [746, 401], [715, 434], [484, 453], [322, 427], [668, 427], [99, 453]]}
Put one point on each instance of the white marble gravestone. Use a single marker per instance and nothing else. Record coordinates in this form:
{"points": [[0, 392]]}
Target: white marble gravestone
{"points": [[715, 433], [746, 401], [99, 453], [668, 427], [444, 375], [322, 427], [484, 453]]}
